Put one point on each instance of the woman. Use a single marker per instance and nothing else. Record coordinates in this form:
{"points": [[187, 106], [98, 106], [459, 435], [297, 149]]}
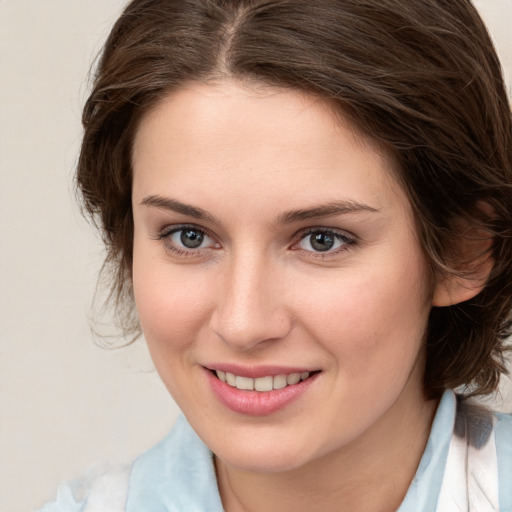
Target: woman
{"points": [[308, 206]]}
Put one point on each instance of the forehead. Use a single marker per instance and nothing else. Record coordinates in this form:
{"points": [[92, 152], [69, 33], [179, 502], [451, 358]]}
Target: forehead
{"points": [[241, 111], [257, 138]]}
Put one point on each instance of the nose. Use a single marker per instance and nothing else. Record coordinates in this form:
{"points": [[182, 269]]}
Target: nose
{"points": [[251, 309]]}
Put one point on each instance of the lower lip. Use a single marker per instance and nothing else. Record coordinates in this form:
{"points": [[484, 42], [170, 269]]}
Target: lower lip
{"points": [[257, 403]]}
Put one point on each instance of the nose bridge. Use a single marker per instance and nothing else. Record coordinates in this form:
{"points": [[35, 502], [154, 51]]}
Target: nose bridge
{"points": [[250, 308]]}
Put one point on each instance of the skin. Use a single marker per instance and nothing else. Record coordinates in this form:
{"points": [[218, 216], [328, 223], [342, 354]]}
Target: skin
{"points": [[256, 292]]}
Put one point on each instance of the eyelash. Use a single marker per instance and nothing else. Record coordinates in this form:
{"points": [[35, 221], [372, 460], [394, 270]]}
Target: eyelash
{"points": [[348, 241]]}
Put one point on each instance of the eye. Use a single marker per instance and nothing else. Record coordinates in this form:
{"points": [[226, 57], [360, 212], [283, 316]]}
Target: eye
{"points": [[186, 239], [189, 237], [324, 241]]}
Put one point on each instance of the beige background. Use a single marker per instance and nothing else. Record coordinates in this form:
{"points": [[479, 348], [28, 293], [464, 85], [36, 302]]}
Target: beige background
{"points": [[65, 404]]}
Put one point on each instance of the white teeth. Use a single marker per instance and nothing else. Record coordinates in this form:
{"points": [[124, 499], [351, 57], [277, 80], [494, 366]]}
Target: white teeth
{"points": [[293, 378], [245, 383], [261, 384], [264, 384], [280, 382]]}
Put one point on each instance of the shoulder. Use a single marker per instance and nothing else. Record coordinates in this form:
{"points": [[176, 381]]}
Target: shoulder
{"points": [[490, 439], [504, 424], [103, 489], [175, 475], [503, 435]]}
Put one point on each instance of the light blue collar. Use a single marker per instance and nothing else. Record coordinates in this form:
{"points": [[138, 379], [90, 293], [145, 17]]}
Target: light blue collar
{"points": [[424, 489], [176, 475]]}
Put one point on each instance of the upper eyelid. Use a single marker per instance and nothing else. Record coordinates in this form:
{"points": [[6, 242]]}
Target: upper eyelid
{"points": [[167, 230], [301, 232], [296, 237], [336, 231]]}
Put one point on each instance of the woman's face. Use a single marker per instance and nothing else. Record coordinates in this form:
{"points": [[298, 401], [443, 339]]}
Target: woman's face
{"points": [[273, 249]]}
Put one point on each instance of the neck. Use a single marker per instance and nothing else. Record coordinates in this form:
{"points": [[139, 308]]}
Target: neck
{"points": [[354, 477]]}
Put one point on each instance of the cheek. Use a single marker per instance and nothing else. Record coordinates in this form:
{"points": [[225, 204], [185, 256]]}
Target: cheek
{"points": [[171, 311], [169, 302], [370, 317]]}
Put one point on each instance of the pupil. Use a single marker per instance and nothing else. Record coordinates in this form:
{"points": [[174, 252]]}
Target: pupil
{"points": [[191, 238], [322, 241]]}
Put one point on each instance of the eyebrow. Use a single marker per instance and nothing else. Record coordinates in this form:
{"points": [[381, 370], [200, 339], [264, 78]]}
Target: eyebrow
{"points": [[167, 203], [325, 210], [317, 212]]}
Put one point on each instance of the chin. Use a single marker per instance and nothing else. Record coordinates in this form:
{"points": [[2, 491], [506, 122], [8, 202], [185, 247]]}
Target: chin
{"points": [[275, 454], [263, 461]]}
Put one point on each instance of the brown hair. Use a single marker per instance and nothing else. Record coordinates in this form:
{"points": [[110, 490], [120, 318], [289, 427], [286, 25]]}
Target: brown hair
{"points": [[419, 76]]}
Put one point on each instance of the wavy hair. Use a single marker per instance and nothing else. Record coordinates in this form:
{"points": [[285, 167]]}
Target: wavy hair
{"points": [[421, 77]]}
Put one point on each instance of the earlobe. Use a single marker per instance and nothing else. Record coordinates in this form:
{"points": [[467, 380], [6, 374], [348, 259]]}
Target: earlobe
{"points": [[454, 289], [473, 260], [471, 276]]}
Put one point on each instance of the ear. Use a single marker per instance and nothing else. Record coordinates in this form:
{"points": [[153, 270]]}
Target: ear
{"points": [[475, 262]]}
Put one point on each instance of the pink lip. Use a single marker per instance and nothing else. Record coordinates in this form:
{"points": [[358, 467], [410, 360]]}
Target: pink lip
{"points": [[258, 371], [256, 403]]}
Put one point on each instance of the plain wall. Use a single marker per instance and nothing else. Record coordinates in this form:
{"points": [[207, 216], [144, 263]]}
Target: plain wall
{"points": [[66, 404]]}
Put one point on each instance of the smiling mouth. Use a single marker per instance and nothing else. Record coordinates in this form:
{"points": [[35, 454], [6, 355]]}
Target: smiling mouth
{"points": [[262, 384]]}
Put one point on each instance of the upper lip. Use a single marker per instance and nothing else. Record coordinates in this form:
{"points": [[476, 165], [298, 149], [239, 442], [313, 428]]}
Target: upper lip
{"points": [[256, 372]]}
